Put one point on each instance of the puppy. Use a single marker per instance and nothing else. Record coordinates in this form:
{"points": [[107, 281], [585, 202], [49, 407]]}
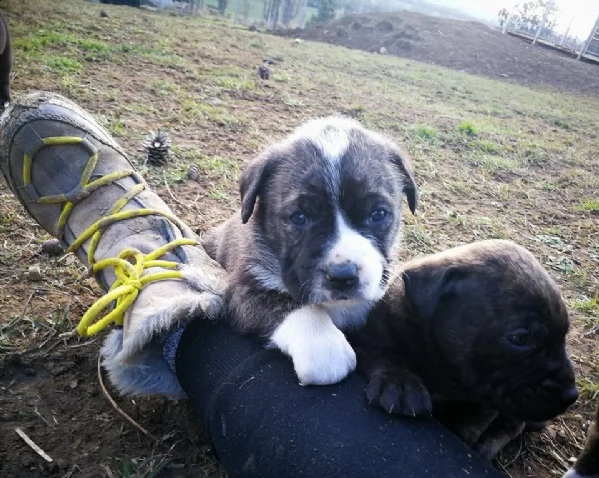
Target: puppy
{"points": [[312, 249], [587, 464], [474, 335], [5, 62]]}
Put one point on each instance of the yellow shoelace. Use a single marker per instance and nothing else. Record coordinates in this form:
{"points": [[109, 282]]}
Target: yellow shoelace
{"points": [[129, 276]]}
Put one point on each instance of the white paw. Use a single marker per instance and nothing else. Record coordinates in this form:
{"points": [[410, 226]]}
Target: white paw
{"points": [[320, 352]]}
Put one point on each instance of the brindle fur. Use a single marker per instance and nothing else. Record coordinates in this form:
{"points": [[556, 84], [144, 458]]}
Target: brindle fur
{"points": [[440, 343], [268, 260], [587, 464]]}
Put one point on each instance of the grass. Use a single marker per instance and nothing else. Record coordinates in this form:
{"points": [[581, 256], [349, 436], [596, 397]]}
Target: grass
{"points": [[467, 128], [492, 159], [590, 205]]}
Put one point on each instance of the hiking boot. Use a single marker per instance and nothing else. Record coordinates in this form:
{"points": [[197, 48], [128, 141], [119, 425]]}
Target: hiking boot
{"points": [[77, 183]]}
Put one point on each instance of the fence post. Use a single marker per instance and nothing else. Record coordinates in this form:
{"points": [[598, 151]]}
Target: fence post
{"points": [[542, 25], [510, 18], [585, 47]]}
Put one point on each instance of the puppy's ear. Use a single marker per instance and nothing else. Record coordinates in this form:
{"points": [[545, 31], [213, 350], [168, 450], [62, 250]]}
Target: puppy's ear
{"points": [[252, 181], [426, 285], [404, 164]]}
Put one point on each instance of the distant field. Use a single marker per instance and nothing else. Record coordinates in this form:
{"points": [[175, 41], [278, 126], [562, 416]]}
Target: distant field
{"points": [[493, 159]]}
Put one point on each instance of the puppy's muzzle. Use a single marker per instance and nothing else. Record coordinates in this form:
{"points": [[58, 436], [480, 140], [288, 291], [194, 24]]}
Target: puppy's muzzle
{"points": [[549, 398], [342, 277]]}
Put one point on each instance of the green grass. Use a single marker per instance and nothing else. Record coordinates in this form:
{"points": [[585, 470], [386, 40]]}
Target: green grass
{"points": [[467, 128], [590, 205], [425, 132]]}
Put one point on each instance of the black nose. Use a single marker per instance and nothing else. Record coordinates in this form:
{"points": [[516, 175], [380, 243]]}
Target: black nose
{"points": [[569, 396], [342, 276]]}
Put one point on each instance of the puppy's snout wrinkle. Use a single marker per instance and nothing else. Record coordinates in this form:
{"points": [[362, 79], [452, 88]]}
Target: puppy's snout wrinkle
{"points": [[342, 276]]}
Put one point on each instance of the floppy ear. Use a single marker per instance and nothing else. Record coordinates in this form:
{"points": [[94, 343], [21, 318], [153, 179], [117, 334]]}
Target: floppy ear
{"points": [[252, 182], [404, 164], [426, 285]]}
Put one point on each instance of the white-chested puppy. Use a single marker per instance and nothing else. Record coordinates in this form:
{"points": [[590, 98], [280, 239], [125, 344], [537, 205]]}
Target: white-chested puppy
{"points": [[314, 245]]}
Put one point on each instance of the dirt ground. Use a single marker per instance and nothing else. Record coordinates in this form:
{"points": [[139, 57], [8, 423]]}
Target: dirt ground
{"points": [[493, 159], [465, 46]]}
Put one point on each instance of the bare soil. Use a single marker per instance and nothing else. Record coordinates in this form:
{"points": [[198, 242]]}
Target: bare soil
{"points": [[461, 45]]}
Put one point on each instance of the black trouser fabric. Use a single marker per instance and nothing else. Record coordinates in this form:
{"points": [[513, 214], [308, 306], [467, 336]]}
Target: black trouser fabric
{"points": [[262, 423]]}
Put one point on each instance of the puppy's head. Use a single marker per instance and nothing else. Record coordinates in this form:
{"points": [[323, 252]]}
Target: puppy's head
{"points": [[497, 317], [327, 203]]}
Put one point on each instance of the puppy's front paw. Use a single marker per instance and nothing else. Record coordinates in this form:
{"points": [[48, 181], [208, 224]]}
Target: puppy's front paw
{"points": [[320, 352], [400, 392], [324, 361]]}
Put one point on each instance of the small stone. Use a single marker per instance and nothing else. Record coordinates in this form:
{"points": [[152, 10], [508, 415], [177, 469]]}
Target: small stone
{"points": [[252, 28], [34, 274], [503, 75], [74, 384], [29, 371], [103, 14], [383, 51], [52, 247]]}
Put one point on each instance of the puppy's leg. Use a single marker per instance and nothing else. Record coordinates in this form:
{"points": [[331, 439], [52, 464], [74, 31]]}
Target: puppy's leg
{"points": [[392, 386], [320, 352], [465, 419], [499, 433], [587, 465]]}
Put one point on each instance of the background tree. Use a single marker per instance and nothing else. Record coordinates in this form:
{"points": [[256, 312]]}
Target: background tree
{"points": [[290, 11], [529, 15]]}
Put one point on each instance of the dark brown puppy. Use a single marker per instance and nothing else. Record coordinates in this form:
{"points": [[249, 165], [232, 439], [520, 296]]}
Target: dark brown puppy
{"points": [[474, 335], [5, 62], [587, 464]]}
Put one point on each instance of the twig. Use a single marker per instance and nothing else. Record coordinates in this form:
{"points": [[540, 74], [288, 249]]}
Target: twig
{"points": [[26, 305], [510, 463], [171, 193], [504, 469], [35, 448], [121, 411], [84, 344]]}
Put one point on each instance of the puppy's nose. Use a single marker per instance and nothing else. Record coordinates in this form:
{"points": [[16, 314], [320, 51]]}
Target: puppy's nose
{"points": [[569, 396], [342, 276]]}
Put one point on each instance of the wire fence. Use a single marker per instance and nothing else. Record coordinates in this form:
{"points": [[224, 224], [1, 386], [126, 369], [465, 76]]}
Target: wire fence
{"points": [[564, 25]]}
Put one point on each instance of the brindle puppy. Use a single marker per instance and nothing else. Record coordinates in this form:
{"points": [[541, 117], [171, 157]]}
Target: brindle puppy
{"points": [[313, 247], [5, 62], [474, 335], [587, 465]]}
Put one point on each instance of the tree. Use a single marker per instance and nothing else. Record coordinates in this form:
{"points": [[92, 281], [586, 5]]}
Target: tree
{"points": [[529, 15], [222, 6], [326, 11], [290, 11]]}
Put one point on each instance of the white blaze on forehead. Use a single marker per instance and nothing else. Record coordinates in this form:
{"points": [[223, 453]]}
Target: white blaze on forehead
{"points": [[351, 246], [331, 135]]}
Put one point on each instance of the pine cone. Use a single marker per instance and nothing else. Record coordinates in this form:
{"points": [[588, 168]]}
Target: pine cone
{"points": [[264, 72], [157, 146], [193, 173]]}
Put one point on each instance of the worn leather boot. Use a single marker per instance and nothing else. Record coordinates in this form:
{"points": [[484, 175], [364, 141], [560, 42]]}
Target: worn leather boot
{"points": [[77, 183]]}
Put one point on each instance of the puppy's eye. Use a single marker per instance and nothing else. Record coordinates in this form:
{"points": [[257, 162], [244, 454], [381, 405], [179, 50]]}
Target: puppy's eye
{"points": [[378, 215], [298, 218], [519, 338]]}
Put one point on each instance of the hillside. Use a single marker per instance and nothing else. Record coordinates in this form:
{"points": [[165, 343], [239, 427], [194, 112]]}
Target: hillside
{"points": [[460, 45]]}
